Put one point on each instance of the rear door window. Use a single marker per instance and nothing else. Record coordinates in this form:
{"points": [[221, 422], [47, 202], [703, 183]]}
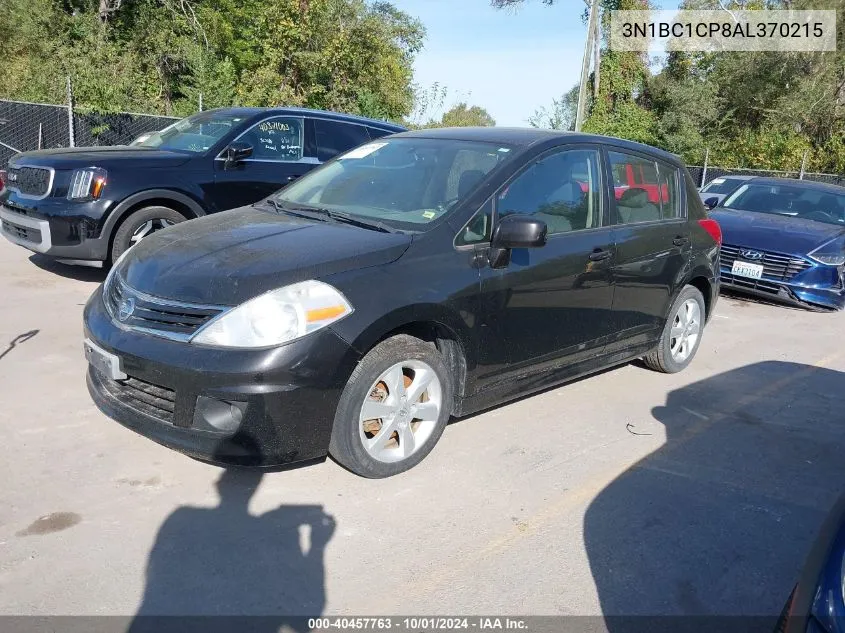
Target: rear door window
{"points": [[335, 137], [638, 199]]}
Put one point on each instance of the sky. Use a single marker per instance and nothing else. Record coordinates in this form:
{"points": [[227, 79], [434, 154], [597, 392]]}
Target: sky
{"points": [[510, 62]]}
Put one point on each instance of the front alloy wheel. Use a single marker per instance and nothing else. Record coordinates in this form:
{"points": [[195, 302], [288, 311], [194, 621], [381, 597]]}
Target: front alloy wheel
{"points": [[393, 409]]}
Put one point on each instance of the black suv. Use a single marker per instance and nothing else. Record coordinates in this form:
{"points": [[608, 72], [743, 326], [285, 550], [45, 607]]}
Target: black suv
{"points": [[424, 275], [90, 204]]}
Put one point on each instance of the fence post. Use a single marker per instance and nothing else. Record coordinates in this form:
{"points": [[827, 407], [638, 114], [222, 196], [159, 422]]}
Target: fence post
{"points": [[803, 164], [40, 135], [704, 170], [71, 135]]}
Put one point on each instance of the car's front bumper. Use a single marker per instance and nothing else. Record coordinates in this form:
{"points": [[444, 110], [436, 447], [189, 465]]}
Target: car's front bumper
{"points": [[820, 286], [56, 227], [288, 395]]}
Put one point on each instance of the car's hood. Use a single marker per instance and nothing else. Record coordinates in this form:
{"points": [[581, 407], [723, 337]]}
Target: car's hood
{"points": [[123, 156], [771, 232], [229, 257]]}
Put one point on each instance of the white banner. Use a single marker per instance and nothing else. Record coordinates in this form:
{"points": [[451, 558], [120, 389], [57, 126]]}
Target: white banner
{"points": [[723, 30]]}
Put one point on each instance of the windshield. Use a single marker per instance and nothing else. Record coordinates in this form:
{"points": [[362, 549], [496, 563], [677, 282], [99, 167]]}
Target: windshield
{"points": [[197, 133], [720, 185], [404, 182], [800, 202]]}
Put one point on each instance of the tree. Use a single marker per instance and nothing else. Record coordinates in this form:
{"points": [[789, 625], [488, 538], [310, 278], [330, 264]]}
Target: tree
{"points": [[561, 116], [461, 115], [158, 56]]}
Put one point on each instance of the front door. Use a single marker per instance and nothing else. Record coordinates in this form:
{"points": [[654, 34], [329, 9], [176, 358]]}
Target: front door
{"points": [[277, 159], [551, 306], [652, 249]]}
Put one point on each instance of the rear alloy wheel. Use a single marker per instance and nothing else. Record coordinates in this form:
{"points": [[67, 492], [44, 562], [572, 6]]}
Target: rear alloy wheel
{"points": [[394, 408], [681, 335], [141, 224]]}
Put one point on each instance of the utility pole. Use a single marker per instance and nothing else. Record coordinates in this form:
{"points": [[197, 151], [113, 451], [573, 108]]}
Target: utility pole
{"points": [[596, 56], [585, 65]]}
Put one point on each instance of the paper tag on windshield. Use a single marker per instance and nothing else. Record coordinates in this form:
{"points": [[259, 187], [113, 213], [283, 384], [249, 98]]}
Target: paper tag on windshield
{"points": [[364, 150], [718, 181]]}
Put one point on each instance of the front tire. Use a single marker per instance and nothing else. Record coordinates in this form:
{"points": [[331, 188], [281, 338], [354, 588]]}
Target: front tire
{"points": [[393, 409], [139, 224], [681, 335]]}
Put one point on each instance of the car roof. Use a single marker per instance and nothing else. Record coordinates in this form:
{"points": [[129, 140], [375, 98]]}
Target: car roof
{"points": [[794, 182], [323, 114], [525, 137]]}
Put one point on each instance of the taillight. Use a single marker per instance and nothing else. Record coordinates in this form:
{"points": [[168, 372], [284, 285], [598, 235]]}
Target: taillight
{"points": [[713, 229], [2, 179]]}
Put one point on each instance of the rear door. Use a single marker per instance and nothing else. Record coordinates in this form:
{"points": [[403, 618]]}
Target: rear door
{"points": [[277, 159], [652, 246]]}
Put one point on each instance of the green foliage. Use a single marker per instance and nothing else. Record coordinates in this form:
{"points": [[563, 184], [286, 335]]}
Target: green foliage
{"points": [[158, 56], [749, 109], [561, 116], [462, 115]]}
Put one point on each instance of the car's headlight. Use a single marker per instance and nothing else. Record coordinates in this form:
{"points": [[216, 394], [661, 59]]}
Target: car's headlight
{"points": [[276, 317], [831, 253], [87, 184]]}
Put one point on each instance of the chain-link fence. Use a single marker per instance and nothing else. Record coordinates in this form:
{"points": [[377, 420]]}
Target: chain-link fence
{"points": [[30, 126], [702, 175]]}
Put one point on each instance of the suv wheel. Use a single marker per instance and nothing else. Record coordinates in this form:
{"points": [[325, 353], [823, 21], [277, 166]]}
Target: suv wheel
{"points": [[393, 409], [140, 224], [681, 334]]}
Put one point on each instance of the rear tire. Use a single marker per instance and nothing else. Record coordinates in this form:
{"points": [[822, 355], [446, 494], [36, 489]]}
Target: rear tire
{"points": [[393, 409], [681, 335], [149, 219]]}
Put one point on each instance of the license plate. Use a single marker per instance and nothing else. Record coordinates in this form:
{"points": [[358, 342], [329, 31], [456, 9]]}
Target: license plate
{"points": [[746, 269], [106, 363]]}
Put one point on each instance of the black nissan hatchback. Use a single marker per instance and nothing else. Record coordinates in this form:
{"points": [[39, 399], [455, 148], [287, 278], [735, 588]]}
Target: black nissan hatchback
{"points": [[425, 275]]}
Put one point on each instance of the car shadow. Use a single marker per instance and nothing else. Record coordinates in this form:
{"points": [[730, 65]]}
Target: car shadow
{"points": [[718, 520], [69, 271], [20, 338], [222, 568]]}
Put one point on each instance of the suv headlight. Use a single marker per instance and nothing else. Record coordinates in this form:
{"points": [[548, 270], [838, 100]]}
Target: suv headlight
{"points": [[831, 253], [276, 317], [87, 184]]}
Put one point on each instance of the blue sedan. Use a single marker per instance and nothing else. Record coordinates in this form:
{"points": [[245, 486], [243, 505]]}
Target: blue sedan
{"points": [[784, 240]]}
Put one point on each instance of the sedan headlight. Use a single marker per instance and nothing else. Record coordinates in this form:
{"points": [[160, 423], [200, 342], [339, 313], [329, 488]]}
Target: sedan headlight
{"points": [[87, 184], [831, 253], [276, 317]]}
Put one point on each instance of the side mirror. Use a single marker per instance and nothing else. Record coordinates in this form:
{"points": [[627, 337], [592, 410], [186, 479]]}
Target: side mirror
{"points": [[520, 231], [236, 152], [709, 203], [515, 231]]}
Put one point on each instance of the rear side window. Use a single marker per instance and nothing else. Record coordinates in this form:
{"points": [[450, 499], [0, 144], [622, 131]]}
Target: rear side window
{"points": [[334, 137], [645, 190], [670, 202]]}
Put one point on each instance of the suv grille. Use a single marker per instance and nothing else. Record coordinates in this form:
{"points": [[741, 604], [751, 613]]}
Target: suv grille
{"points": [[163, 317], [29, 181], [153, 400], [777, 266]]}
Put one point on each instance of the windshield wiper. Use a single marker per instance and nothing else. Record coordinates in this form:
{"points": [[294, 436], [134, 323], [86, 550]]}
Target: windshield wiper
{"points": [[322, 214], [373, 225]]}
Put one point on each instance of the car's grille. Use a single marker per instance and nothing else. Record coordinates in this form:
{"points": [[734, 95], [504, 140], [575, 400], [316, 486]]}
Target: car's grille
{"points": [[775, 265], [30, 181], [165, 317], [22, 232], [153, 400]]}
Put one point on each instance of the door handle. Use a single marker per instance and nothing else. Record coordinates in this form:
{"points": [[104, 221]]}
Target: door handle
{"points": [[680, 240], [599, 255]]}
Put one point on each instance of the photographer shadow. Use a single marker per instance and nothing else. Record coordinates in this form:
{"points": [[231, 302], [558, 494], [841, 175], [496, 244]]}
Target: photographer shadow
{"points": [[710, 531], [224, 569]]}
